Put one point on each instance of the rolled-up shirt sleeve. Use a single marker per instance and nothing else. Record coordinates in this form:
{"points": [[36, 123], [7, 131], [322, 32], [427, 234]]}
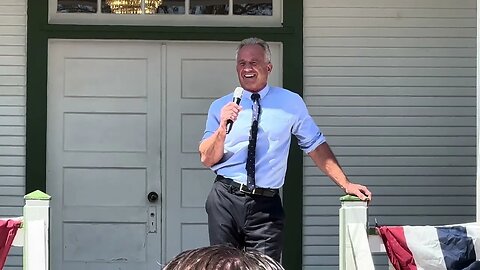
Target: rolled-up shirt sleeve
{"points": [[213, 121], [306, 130]]}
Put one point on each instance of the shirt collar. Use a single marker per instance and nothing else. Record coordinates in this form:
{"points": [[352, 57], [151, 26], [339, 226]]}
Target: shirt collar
{"points": [[262, 92]]}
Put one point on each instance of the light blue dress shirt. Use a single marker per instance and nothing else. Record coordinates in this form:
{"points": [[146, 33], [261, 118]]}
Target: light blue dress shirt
{"points": [[283, 113]]}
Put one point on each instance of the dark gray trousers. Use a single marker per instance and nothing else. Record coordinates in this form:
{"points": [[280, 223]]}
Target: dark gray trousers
{"points": [[245, 221]]}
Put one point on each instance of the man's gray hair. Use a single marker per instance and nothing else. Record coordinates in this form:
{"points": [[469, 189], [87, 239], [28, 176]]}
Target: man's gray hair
{"points": [[256, 41]]}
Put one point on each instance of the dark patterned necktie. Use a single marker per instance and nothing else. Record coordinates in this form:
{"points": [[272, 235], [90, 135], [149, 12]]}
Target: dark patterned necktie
{"points": [[252, 142]]}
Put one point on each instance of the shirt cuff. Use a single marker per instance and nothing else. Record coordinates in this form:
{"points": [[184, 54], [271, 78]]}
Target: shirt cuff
{"points": [[313, 144]]}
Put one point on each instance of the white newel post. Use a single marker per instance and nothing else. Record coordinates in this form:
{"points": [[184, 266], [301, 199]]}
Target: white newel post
{"points": [[36, 226], [352, 211]]}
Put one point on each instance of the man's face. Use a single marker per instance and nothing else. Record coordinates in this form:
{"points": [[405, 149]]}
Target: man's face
{"points": [[252, 68]]}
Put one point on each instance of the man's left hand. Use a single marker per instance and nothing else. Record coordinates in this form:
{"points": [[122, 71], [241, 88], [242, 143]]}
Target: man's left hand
{"points": [[358, 190]]}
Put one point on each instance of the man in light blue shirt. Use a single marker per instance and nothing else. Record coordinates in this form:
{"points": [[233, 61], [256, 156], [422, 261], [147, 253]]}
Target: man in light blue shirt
{"points": [[282, 113], [253, 218]]}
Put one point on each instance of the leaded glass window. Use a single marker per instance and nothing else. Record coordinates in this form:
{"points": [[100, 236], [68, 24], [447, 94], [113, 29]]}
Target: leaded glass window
{"points": [[167, 12], [195, 7]]}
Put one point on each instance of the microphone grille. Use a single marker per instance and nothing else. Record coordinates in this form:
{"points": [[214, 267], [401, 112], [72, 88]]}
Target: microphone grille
{"points": [[238, 92]]}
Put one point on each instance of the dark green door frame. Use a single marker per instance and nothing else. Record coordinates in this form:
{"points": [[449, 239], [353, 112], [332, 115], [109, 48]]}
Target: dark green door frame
{"points": [[39, 32]]}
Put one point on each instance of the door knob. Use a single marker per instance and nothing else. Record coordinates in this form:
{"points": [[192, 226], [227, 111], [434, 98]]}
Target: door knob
{"points": [[152, 196]]}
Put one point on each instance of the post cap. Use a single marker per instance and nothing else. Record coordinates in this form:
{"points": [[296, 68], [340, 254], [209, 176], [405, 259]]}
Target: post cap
{"points": [[37, 195], [349, 198]]}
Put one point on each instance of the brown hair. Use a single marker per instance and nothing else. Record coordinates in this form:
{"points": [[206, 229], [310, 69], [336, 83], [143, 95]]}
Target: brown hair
{"points": [[221, 257]]}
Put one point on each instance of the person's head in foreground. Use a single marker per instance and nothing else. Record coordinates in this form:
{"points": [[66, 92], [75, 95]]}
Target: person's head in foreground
{"points": [[221, 257]]}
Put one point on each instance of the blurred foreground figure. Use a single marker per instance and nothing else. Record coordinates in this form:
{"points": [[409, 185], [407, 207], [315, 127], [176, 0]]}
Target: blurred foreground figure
{"points": [[222, 257]]}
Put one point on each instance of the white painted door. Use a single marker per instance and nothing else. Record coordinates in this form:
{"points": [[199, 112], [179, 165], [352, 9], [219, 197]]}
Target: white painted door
{"points": [[103, 154], [125, 119], [197, 74]]}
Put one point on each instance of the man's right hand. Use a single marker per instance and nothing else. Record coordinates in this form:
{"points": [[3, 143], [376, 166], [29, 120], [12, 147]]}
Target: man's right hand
{"points": [[229, 112]]}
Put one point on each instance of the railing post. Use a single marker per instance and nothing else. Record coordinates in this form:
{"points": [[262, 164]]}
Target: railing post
{"points": [[36, 225], [353, 210]]}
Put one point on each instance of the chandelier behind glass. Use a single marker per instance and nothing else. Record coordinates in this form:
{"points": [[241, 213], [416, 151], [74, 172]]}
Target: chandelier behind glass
{"points": [[133, 6]]}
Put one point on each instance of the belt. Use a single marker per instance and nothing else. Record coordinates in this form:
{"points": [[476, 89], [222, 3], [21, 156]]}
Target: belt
{"points": [[267, 192]]}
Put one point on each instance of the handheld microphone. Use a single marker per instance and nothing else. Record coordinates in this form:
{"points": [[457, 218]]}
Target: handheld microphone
{"points": [[237, 97]]}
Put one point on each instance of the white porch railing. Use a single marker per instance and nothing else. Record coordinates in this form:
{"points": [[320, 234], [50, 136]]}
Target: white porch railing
{"points": [[356, 245], [33, 235]]}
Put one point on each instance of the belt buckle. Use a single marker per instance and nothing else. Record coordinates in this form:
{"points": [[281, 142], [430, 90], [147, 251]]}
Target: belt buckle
{"points": [[243, 188], [255, 193]]}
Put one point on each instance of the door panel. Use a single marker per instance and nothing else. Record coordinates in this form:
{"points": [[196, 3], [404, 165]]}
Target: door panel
{"points": [[103, 157]]}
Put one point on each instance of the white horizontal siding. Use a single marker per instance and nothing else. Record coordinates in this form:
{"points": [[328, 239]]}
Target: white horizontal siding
{"points": [[392, 85], [12, 114]]}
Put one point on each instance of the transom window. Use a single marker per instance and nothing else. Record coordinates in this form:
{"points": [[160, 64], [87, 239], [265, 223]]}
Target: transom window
{"points": [[167, 12]]}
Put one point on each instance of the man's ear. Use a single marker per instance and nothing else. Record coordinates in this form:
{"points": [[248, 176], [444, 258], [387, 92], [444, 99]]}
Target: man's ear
{"points": [[269, 67]]}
